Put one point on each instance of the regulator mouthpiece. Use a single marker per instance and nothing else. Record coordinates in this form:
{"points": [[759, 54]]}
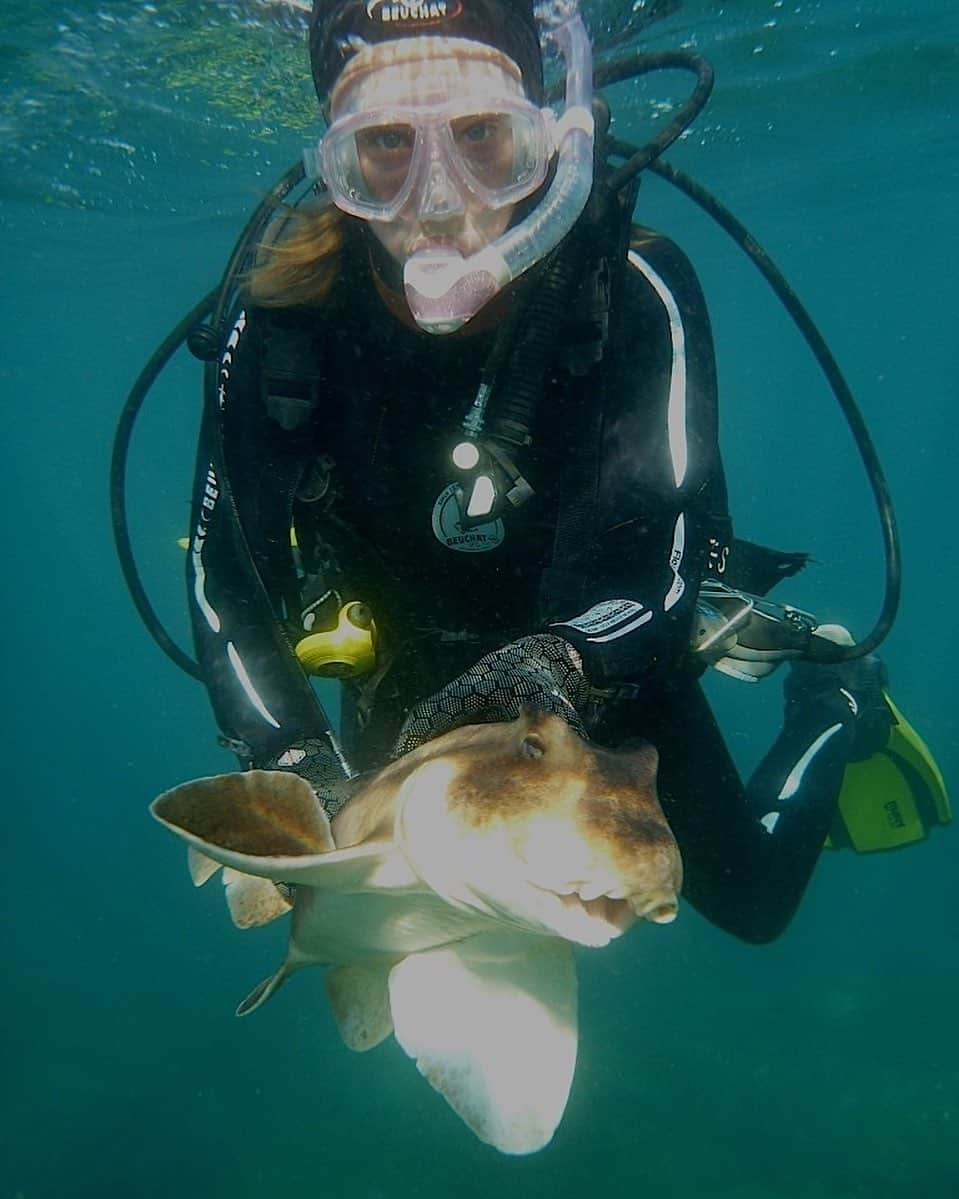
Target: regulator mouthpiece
{"points": [[444, 289]]}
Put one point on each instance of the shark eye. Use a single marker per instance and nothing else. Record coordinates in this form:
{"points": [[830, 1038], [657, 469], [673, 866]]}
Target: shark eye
{"points": [[532, 746]]}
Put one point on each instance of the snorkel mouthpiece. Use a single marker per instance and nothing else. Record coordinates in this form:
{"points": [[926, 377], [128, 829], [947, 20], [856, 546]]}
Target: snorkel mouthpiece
{"points": [[443, 289]]}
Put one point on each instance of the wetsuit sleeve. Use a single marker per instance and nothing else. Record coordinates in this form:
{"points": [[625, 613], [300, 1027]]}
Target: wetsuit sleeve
{"points": [[240, 569], [661, 512]]}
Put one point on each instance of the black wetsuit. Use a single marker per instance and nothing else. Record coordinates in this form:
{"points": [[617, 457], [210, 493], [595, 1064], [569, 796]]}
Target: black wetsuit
{"points": [[351, 444]]}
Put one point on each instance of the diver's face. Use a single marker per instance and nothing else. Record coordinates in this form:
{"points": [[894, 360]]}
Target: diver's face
{"points": [[441, 210]]}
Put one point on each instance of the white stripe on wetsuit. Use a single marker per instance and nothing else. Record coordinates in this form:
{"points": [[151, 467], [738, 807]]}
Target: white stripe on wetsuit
{"points": [[246, 683], [795, 777], [240, 671], [676, 407], [675, 416]]}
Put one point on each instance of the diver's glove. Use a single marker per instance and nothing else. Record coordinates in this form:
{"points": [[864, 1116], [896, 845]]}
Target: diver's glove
{"points": [[850, 692], [321, 763], [541, 671]]}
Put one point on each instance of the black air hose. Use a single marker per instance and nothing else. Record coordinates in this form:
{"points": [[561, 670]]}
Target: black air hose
{"points": [[520, 386]]}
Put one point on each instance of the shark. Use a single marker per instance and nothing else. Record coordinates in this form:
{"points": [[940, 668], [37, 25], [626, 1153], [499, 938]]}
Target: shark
{"points": [[446, 897]]}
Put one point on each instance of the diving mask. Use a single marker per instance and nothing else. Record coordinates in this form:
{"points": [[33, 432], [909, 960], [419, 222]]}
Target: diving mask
{"points": [[444, 287], [376, 163]]}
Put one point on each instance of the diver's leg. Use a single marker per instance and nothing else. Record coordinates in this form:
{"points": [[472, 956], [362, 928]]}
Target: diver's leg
{"points": [[749, 853], [723, 846]]}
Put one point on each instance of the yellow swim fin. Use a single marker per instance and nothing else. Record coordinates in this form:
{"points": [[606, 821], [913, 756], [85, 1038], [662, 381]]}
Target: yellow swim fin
{"points": [[893, 798]]}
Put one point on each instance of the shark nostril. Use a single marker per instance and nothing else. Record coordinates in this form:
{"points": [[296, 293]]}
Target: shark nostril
{"points": [[660, 908]]}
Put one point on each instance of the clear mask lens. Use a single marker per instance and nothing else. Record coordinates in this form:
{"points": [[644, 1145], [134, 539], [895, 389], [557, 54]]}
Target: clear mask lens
{"points": [[373, 163]]}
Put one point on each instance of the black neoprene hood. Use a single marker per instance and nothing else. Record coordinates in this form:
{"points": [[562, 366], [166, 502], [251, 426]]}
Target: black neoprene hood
{"points": [[339, 27]]}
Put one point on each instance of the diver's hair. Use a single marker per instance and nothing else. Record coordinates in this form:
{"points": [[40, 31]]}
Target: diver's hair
{"points": [[301, 263]]}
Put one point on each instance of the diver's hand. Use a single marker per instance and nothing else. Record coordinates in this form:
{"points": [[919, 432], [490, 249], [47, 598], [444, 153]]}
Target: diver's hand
{"points": [[541, 671], [315, 759]]}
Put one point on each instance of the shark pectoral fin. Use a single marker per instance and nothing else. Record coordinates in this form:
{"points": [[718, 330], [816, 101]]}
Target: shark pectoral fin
{"points": [[360, 1002], [491, 1023], [264, 990], [201, 868], [252, 901], [259, 813], [269, 823]]}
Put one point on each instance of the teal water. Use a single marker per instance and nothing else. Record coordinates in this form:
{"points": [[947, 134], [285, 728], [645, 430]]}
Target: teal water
{"points": [[135, 138]]}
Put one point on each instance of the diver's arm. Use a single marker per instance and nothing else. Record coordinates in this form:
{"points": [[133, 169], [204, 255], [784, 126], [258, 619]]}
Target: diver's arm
{"points": [[240, 568], [661, 517], [637, 627]]}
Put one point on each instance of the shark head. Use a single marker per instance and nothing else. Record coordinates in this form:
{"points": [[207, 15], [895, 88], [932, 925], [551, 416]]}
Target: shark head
{"points": [[529, 824]]}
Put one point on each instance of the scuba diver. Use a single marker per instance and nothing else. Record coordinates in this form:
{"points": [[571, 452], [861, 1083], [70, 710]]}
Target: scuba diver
{"points": [[462, 455]]}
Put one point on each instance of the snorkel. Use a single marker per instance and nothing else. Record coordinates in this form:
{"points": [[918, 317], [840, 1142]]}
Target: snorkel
{"points": [[443, 289]]}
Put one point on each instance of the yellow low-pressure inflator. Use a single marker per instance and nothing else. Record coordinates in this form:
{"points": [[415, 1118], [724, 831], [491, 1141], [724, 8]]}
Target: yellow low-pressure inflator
{"points": [[348, 649]]}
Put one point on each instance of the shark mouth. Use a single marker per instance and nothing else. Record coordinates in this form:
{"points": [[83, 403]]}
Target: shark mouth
{"points": [[595, 919], [587, 914], [597, 916]]}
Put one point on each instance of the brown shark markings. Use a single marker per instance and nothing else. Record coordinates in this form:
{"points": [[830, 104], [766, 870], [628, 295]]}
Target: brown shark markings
{"points": [[445, 899]]}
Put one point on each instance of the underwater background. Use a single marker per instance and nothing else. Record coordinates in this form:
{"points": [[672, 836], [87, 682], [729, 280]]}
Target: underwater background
{"points": [[134, 141]]}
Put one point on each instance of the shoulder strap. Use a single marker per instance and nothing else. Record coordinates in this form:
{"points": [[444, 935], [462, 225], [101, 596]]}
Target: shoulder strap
{"points": [[563, 581], [291, 366]]}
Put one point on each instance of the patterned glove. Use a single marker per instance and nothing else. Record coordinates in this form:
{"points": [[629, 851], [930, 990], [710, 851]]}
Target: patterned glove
{"points": [[321, 763], [540, 671]]}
